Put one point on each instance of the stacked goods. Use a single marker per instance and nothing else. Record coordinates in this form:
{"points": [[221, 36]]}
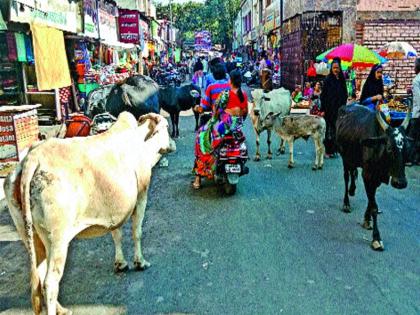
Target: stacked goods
{"points": [[303, 104], [397, 106]]}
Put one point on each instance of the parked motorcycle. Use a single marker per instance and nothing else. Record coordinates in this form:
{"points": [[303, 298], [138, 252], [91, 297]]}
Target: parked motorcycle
{"points": [[252, 78], [230, 165]]}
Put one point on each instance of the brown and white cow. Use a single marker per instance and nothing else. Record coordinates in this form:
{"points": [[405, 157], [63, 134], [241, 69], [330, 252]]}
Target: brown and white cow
{"points": [[293, 127], [266, 105], [83, 187]]}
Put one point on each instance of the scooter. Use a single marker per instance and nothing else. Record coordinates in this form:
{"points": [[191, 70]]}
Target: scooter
{"points": [[230, 165]]}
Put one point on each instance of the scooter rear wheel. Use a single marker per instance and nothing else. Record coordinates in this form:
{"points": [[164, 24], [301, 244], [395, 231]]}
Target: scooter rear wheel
{"points": [[229, 189]]}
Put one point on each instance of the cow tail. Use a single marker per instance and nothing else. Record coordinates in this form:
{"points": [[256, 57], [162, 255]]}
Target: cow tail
{"points": [[28, 171]]}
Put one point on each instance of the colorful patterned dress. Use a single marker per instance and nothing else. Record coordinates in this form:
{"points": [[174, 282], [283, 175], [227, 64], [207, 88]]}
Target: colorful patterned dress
{"points": [[210, 136]]}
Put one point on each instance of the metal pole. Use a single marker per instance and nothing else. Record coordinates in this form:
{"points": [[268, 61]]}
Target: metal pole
{"points": [[170, 10]]}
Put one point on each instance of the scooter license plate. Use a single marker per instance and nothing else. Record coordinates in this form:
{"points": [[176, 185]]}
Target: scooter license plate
{"points": [[233, 168]]}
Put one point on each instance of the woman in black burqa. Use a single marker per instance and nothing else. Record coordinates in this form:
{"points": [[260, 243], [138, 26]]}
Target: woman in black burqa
{"points": [[333, 96], [373, 90]]}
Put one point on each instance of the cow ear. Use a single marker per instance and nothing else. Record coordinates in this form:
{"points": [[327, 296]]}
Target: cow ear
{"points": [[194, 93], [372, 142]]}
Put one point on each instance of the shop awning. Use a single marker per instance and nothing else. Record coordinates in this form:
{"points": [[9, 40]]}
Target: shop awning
{"points": [[118, 44]]}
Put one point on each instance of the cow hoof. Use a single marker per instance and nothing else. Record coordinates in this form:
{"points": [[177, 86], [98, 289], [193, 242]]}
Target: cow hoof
{"points": [[257, 158], [290, 165], [377, 246], [320, 167], [269, 157], [281, 151], [366, 225], [346, 209], [63, 311], [138, 266], [314, 168], [120, 267]]}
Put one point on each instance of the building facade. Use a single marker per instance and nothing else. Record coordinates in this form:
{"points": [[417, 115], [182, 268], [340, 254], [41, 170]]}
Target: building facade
{"points": [[379, 22], [310, 28]]}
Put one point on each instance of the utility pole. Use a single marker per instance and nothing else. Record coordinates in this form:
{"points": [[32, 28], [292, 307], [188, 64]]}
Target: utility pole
{"points": [[170, 10]]}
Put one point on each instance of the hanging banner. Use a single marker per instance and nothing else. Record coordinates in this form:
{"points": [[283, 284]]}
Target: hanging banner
{"points": [[128, 23], [91, 19], [107, 26], [202, 40], [58, 14], [144, 33], [155, 29]]}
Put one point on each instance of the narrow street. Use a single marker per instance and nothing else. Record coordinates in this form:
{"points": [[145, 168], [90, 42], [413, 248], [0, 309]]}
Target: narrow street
{"points": [[281, 245]]}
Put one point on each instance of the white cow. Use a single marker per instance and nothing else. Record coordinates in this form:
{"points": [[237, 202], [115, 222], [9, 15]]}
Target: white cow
{"points": [[276, 102], [83, 187], [293, 127]]}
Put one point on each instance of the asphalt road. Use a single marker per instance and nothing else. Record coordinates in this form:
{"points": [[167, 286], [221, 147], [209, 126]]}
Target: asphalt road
{"points": [[281, 245]]}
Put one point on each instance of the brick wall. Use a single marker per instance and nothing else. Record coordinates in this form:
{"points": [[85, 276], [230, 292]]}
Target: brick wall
{"points": [[374, 34]]}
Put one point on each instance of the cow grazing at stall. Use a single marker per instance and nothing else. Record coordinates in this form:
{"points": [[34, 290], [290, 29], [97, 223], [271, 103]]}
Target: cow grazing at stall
{"points": [[83, 187], [138, 95], [176, 99], [266, 105], [293, 127], [365, 140]]}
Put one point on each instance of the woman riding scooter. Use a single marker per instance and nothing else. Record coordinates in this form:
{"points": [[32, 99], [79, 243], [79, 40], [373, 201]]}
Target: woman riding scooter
{"points": [[228, 114]]}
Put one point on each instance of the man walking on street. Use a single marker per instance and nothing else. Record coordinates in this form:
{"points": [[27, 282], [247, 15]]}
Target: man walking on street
{"points": [[414, 128]]}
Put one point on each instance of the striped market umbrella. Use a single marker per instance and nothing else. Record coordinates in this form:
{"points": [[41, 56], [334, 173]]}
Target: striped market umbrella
{"points": [[352, 54]]}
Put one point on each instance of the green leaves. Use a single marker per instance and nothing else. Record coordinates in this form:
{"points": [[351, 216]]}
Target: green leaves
{"points": [[216, 16]]}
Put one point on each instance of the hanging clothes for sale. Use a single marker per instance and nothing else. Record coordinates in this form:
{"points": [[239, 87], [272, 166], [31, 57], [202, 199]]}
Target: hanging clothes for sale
{"points": [[51, 66], [115, 57], [29, 49], [11, 46], [20, 47]]}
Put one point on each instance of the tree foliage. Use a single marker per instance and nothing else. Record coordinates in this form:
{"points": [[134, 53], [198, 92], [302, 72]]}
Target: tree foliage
{"points": [[216, 16]]}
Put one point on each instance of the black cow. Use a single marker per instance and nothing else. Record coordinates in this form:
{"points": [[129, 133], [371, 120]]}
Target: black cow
{"points": [[138, 95], [365, 140], [176, 99]]}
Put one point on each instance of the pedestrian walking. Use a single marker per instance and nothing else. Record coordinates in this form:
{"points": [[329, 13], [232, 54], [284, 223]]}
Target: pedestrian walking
{"points": [[333, 96], [414, 128], [205, 66], [198, 73]]}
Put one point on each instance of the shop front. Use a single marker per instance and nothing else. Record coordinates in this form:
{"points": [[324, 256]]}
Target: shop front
{"points": [[35, 36], [303, 37]]}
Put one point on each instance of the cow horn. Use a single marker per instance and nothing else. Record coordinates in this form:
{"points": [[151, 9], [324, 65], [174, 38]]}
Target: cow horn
{"points": [[381, 121], [406, 120], [126, 99]]}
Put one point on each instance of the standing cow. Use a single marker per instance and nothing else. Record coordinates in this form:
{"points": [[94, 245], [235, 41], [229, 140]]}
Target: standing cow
{"points": [[365, 140], [138, 95], [83, 187], [293, 127], [176, 99], [266, 105]]}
